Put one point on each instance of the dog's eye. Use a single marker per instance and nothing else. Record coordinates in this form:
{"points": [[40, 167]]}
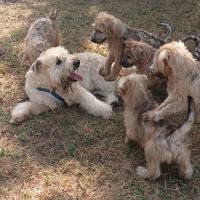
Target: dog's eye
{"points": [[59, 61]]}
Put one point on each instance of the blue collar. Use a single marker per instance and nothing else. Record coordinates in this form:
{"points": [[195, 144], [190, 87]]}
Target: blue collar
{"points": [[53, 93]]}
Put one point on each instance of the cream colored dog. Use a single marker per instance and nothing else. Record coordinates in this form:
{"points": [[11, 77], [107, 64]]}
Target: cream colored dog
{"points": [[52, 80], [176, 63]]}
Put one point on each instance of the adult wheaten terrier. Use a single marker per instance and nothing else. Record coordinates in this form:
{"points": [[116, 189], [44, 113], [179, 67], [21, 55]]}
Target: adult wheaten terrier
{"points": [[164, 141], [52, 81], [176, 63], [42, 34], [109, 28]]}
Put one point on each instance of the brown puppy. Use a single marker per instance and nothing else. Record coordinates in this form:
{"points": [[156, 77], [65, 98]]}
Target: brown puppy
{"points": [[175, 62], [109, 28], [42, 34], [164, 141]]}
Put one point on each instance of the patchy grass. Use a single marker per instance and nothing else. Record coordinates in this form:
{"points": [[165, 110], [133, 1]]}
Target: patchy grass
{"points": [[70, 154]]}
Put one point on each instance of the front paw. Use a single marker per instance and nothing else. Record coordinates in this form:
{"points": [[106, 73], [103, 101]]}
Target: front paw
{"points": [[141, 171], [103, 72], [151, 116]]}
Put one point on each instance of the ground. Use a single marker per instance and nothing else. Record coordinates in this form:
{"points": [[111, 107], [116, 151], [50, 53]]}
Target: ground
{"points": [[70, 154]]}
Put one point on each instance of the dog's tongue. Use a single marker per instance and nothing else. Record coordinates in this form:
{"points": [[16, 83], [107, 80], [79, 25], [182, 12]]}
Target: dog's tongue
{"points": [[76, 77]]}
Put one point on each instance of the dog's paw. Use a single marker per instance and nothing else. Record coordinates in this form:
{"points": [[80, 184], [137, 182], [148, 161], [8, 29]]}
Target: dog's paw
{"points": [[107, 112], [151, 116], [103, 72], [141, 171]]}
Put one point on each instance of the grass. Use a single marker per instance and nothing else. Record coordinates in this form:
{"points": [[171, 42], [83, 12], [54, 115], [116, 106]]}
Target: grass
{"points": [[70, 154]]}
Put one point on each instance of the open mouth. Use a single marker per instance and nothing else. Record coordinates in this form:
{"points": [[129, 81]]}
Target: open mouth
{"points": [[75, 77]]}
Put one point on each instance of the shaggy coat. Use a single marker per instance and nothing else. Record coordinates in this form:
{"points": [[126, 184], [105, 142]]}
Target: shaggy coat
{"points": [[164, 141], [52, 81]]}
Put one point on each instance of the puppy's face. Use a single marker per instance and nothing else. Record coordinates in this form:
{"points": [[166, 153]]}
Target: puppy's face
{"points": [[132, 88], [107, 26], [134, 53], [160, 66], [58, 65]]}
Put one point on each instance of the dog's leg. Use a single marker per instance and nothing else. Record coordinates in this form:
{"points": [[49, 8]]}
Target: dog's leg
{"points": [[167, 108], [88, 101], [115, 70], [23, 111], [185, 166], [43, 98], [106, 69], [152, 171]]}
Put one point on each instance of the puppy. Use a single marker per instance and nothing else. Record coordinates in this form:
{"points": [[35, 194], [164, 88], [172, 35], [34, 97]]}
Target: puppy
{"points": [[42, 34], [182, 71], [164, 141], [109, 28], [51, 81]]}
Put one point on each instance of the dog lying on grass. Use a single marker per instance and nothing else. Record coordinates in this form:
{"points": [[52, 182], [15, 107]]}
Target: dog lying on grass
{"points": [[42, 34], [51, 81], [165, 141], [110, 29]]}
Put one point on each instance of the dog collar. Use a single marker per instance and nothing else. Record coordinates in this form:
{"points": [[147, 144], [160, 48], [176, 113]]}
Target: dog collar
{"points": [[146, 61], [54, 94]]}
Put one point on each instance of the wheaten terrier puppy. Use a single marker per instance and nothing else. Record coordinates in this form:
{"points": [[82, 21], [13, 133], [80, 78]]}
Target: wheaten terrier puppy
{"points": [[182, 71], [164, 141], [52, 81], [42, 34], [109, 28]]}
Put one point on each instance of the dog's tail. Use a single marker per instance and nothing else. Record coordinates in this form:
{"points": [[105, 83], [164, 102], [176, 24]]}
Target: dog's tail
{"points": [[196, 40], [53, 15], [168, 29], [185, 128], [25, 109]]}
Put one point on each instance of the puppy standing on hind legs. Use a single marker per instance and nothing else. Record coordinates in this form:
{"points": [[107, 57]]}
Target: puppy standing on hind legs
{"points": [[164, 141], [52, 81]]}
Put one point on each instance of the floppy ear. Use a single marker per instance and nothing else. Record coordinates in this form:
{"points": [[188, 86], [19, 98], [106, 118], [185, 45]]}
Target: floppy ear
{"points": [[124, 88], [40, 46], [22, 56], [119, 29], [36, 66]]}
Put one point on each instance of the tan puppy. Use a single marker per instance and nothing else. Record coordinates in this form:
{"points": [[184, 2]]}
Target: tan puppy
{"points": [[164, 141], [51, 81], [109, 28], [177, 64], [42, 34]]}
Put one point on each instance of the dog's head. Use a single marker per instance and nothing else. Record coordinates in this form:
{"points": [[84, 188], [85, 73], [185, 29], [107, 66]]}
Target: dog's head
{"points": [[59, 65], [172, 59], [136, 53], [133, 89], [32, 52], [106, 27]]}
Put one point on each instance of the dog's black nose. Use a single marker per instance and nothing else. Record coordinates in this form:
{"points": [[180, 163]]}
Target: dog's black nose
{"points": [[93, 39], [76, 64]]}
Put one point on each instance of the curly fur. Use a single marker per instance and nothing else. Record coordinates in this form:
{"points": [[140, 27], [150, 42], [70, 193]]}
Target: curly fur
{"points": [[164, 141]]}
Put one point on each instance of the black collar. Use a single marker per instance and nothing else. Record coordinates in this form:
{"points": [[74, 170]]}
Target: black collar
{"points": [[53, 93]]}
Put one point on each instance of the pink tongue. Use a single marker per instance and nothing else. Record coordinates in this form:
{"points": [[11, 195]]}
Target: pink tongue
{"points": [[76, 77]]}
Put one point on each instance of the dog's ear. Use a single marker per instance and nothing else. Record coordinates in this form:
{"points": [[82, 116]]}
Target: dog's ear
{"points": [[40, 46], [36, 66], [22, 56], [164, 56], [124, 88]]}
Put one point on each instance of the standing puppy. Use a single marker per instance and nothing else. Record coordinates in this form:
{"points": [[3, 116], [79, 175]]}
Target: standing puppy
{"points": [[109, 28], [42, 34], [163, 142], [176, 63]]}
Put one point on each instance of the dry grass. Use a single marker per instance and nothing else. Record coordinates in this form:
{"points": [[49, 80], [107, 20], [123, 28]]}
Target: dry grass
{"points": [[69, 154]]}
